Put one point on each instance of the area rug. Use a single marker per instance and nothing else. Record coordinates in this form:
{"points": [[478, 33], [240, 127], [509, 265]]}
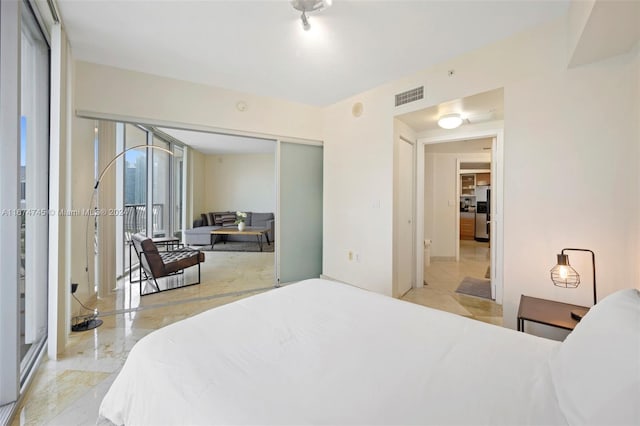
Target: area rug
{"points": [[475, 287], [240, 246]]}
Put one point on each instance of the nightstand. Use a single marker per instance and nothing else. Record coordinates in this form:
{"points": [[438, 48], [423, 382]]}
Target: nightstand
{"points": [[547, 312]]}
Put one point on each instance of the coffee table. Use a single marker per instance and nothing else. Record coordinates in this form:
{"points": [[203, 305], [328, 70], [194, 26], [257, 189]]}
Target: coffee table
{"points": [[249, 230]]}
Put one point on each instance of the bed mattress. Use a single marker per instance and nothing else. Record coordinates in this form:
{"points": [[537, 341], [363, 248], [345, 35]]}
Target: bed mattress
{"points": [[321, 352]]}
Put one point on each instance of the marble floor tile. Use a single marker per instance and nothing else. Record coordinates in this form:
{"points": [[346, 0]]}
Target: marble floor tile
{"points": [[442, 278], [68, 391], [50, 395]]}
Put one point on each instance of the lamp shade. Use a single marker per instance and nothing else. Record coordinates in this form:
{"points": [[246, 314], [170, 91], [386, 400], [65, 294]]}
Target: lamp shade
{"points": [[563, 275]]}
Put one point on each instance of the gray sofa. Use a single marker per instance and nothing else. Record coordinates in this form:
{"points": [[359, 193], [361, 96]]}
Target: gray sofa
{"points": [[200, 234]]}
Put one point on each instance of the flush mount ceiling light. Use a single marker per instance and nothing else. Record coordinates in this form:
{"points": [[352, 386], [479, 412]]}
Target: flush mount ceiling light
{"points": [[307, 6], [450, 121]]}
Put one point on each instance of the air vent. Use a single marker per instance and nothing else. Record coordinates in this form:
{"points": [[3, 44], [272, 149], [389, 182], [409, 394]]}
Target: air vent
{"points": [[410, 96]]}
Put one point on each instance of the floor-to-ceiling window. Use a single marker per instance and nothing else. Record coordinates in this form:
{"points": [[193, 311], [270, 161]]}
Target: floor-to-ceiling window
{"points": [[34, 187], [152, 187], [24, 178], [161, 189]]}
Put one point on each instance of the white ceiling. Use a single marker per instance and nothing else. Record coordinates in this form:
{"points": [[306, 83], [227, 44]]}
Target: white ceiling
{"points": [[457, 147], [486, 106], [259, 47], [213, 143]]}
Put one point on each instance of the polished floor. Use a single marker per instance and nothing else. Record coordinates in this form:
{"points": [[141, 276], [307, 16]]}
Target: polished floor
{"points": [[442, 278], [69, 391]]}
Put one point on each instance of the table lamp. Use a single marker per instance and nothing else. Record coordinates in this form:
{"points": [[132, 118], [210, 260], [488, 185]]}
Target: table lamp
{"points": [[563, 275]]}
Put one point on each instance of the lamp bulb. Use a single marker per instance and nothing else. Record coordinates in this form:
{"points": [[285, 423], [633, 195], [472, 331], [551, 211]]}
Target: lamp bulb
{"points": [[563, 272]]}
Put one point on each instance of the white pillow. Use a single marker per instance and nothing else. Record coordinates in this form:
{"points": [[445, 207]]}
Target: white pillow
{"points": [[596, 371]]}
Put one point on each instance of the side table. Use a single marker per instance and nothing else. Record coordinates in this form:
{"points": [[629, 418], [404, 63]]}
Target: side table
{"points": [[547, 312]]}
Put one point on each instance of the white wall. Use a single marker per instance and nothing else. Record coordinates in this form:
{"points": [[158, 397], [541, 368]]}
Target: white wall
{"points": [[358, 196], [441, 201], [571, 135], [81, 179], [244, 182], [196, 162], [146, 98]]}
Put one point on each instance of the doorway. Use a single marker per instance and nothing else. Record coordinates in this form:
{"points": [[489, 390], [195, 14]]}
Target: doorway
{"points": [[458, 235], [481, 117], [495, 137]]}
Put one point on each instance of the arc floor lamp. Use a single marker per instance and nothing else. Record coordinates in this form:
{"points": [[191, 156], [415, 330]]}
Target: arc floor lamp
{"points": [[91, 321]]}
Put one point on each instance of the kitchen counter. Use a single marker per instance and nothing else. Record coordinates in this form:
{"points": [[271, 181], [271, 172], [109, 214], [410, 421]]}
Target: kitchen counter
{"points": [[467, 215]]}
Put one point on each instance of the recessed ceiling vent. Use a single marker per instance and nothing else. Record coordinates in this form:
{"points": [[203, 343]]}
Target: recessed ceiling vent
{"points": [[410, 96]]}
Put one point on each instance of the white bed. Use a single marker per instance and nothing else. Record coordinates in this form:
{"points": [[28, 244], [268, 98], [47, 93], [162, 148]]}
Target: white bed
{"points": [[320, 352]]}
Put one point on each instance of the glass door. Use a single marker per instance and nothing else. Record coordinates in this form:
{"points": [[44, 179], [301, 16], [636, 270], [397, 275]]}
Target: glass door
{"points": [[299, 222], [34, 189]]}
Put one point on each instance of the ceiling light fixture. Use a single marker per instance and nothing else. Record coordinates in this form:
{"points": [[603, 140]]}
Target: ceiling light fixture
{"points": [[307, 6], [450, 121]]}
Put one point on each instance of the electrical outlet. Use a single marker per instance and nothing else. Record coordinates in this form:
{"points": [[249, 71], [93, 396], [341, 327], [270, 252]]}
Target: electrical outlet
{"points": [[74, 287]]}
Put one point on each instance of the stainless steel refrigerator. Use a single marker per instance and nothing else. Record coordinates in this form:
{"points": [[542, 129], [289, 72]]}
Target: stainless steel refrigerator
{"points": [[483, 212]]}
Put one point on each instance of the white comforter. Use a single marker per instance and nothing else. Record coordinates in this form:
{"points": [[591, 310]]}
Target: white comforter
{"points": [[320, 352]]}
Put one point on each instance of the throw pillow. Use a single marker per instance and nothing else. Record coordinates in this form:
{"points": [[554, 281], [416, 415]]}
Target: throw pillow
{"points": [[228, 219], [218, 218]]}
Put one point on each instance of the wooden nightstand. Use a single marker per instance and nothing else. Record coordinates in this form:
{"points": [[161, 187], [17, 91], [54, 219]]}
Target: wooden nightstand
{"points": [[547, 312]]}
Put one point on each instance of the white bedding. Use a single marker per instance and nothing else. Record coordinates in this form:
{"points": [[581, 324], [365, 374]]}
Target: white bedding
{"points": [[320, 352]]}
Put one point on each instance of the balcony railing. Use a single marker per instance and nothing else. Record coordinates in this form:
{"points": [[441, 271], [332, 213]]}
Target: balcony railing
{"points": [[135, 220]]}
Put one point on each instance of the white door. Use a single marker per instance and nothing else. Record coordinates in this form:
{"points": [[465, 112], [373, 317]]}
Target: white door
{"points": [[405, 241]]}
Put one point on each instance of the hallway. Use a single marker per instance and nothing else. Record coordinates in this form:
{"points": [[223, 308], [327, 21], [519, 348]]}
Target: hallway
{"points": [[442, 278]]}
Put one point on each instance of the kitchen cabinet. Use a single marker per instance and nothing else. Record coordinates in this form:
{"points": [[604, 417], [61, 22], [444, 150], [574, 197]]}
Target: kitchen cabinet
{"points": [[467, 184], [483, 179], [467, 225]]}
